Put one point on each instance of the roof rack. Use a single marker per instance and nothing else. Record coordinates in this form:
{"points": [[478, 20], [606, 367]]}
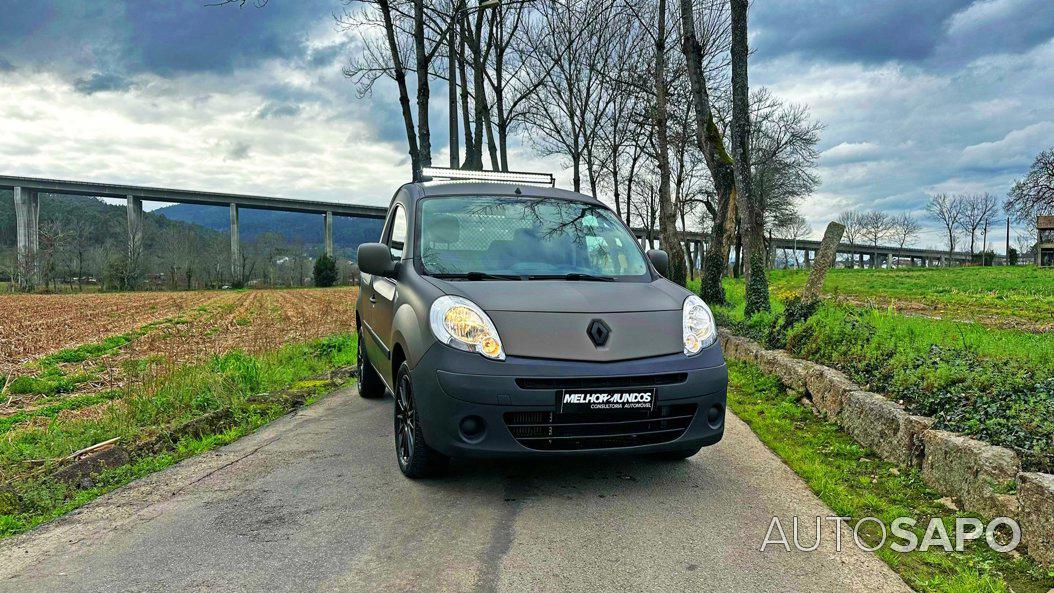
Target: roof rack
{"points": [[429, 173]]}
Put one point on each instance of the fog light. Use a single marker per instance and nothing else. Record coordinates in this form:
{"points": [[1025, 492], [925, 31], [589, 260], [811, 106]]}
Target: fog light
{"points": [[472, 428], [716, 415]]}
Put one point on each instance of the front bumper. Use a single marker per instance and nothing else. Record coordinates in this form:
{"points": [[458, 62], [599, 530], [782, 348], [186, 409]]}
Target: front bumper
{"points": [[451, 385]]}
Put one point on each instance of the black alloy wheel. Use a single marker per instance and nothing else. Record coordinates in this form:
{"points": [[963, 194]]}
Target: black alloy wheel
{"points": [[416, 459]]}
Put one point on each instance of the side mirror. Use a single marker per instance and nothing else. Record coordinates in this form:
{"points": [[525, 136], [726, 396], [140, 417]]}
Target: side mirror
{"points": [[376, 259], [659, 259]]}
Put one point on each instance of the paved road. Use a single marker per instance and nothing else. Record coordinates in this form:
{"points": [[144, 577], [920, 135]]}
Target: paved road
{"points": [[314, 502]]}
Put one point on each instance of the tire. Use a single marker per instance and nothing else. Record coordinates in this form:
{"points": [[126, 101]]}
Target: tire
{"points": [[678, 454], [416, 459], [370, 384]]}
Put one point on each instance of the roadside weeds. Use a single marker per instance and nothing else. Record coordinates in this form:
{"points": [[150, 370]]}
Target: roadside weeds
{"points": [[157, 423], [856, 483]]}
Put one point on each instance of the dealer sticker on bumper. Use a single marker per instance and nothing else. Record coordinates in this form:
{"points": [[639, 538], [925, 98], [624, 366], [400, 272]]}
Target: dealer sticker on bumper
{"points": [[594, 400]]}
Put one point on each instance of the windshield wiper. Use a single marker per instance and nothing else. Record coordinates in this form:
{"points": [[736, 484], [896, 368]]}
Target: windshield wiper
{"points": [[572, 276], [479, 276]]}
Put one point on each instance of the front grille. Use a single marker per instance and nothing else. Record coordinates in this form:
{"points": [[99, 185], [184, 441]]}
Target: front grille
{"points": [[602, 382], [553, 431]]}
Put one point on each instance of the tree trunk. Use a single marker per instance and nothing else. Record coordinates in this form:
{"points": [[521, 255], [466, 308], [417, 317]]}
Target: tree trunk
{"points": [[424, 134], [478, 95], [404, 95], [668, 236], [470, 150], [629, 188], [708, 137], [737, 269], [751, 215], [455, 150]]}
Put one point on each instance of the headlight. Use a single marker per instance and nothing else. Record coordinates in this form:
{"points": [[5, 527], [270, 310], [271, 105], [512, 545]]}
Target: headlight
{"points": [[697, 325], [458, 322]]}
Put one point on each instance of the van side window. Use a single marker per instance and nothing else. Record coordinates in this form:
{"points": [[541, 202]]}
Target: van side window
{"points": [[397, 237]]}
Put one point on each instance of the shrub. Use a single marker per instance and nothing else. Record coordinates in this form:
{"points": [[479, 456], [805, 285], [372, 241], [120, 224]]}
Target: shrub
{"points": [[325, 271], [795, 311]]}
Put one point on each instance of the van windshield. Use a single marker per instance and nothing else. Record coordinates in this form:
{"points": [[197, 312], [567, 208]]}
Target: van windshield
{"points": [[525, 238]]}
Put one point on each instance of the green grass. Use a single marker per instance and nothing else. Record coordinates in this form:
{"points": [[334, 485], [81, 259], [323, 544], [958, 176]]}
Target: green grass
{"points": [[855, 483], [994, 384], [1016, 293], [228, 381]]}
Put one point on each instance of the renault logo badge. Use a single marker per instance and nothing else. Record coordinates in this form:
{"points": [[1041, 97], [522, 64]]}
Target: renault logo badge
{"points": [[599, 332]]}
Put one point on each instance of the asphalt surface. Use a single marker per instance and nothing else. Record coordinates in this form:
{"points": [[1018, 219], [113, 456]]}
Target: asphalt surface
{"points": [[314, 502]]}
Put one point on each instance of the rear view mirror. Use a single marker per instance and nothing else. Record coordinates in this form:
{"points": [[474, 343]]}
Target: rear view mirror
{"points": [[376, 259], [660, 260]]}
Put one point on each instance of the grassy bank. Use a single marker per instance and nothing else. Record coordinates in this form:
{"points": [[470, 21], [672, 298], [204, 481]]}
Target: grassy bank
{"points": [[994, 384], [855, 483], [1017, 293], [33, 444]]}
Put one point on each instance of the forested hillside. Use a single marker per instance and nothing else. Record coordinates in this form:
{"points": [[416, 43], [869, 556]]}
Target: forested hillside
{"points": [[348, 233]]}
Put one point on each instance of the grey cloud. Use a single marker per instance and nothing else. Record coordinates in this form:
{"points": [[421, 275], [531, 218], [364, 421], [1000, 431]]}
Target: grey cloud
{"points": [[100, 82], [238, 151], [851, 152], [272, 110], [936, 34], [6, 66], [851, 31], [1016, 150], [996, 26], [164, 39], [329, 54]]}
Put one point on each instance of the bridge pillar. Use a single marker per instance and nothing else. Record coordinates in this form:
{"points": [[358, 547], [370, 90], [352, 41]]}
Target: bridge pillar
{"points": [[328, 234], [135, 239], [236, 248], [27, 229], [808, 260]]}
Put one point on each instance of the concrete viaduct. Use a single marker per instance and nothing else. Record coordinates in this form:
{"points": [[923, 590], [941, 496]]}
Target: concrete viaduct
{"points": [[694, 243], [26, 192], [27, 210]]}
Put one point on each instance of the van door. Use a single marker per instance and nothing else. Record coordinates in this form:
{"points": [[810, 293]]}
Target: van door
{"points": [[385, 289]]}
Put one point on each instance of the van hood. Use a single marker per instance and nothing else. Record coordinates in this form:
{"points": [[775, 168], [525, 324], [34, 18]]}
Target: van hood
{"points": [[568, 296]]}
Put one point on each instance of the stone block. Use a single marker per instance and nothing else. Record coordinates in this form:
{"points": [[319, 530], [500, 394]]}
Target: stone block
{"points": [[829, 388], [980, 475], [883, 425], [1035, 493]]}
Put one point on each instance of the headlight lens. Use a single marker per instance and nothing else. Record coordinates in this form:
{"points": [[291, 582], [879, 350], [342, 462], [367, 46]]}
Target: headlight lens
{"points": [[460, 323], [698, 326]]}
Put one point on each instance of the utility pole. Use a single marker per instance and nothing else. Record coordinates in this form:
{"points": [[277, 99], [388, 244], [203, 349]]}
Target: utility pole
{"points": [[1008, 240]]}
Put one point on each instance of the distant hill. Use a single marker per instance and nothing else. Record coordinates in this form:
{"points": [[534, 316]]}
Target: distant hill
{"points": [[348, 233]]}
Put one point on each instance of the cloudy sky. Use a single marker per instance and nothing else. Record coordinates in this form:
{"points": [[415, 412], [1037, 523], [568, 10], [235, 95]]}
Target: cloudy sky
{"points": [[916, 97]]}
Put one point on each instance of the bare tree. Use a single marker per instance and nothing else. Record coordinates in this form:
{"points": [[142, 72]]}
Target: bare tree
{"points": [[1027, 240], [574, 45], [395, 33], [751, 214], [699, 52], [783, 156], [1033, 195], [794, 228], [978, 211], [876, 227], [670, 238], [947, 210], [906, 229], [850, 219]]}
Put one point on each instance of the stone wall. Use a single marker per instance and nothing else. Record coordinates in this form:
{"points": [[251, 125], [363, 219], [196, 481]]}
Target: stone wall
{"points": [[984, 478]]}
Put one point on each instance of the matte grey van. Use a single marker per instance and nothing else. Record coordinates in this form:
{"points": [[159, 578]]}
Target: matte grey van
{"points": [[509, 320]]}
